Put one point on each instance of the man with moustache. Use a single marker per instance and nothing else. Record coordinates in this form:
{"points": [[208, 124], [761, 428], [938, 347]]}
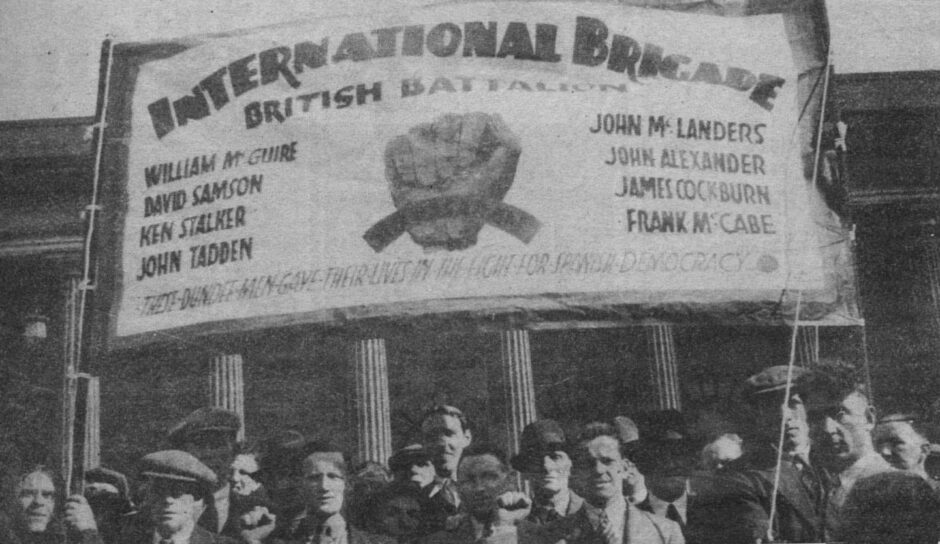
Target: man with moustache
{"points": [[902, 441], [841, 420], [600, 468], [543, 461], [324, 472], [447, 432], [174, 497]]}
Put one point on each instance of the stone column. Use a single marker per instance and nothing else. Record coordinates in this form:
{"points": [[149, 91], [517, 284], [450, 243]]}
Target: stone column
{"points": [[227, 386], [807, 345], [516, 365], [662, 348], [372, 402]]}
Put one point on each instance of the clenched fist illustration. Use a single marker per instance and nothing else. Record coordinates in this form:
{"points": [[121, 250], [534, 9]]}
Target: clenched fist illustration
{"points": [[447, 179]]}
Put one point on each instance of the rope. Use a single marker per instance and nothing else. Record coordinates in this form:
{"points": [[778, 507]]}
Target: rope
{"points": [[786, 399]]}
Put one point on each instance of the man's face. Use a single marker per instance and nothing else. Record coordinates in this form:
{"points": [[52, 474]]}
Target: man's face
{"points": [[446, 438], [551, 476], [480, 480], [324, 483], [216, 449], [172, 505], [242, 473], [36, 497], [420, 474], [772, 410], [842, 427], [901, 445], [601, 468]]}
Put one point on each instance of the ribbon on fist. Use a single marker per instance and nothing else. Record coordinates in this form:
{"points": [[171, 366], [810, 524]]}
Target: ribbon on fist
{"points": [[449, 177]]}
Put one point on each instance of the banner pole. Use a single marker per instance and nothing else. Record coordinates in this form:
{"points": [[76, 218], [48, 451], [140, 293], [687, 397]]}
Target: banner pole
{"points": [[74, 474]]}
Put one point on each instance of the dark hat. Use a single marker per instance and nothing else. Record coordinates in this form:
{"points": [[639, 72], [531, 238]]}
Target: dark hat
{"points": [[627, 429], [206, 419], [539, 438], [773, 378], [179, 466], [112, 477], [405, 458]]}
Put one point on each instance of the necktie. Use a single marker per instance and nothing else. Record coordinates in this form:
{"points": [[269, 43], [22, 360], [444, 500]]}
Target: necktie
{"points": [[673, 513], [607, 529]]}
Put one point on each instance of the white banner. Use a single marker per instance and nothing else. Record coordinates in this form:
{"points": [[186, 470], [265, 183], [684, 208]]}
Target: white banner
{"points": [[463, 154]]}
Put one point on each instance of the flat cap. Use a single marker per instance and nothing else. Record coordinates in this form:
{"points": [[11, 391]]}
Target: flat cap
{"points": [[202, 420], [538, 439], [773, 378], [413, 454], [177, 465]]}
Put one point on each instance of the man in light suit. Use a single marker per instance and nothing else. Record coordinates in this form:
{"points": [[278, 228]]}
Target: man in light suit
{"points": [[600, 468]]}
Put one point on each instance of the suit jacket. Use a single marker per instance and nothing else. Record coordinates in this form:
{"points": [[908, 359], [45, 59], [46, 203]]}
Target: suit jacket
{"points": [[462, 533], [736, 508], [303, 528], [575, 504], [139, 531], [640, 528]]}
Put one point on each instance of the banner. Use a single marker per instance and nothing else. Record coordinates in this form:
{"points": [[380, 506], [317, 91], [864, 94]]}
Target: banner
{"points": [[456, 158]]}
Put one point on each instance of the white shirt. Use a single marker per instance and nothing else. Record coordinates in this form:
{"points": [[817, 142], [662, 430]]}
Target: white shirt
{"points": [[182, 537], [867, 465], [660, 506], [616, 511]]}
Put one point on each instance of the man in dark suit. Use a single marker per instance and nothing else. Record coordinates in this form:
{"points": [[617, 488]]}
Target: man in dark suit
{"points": [[737, 508], [324, 471], [210, 434], [177, 487], [447, 432], [600, 468], [492, 512], [544, 462]]}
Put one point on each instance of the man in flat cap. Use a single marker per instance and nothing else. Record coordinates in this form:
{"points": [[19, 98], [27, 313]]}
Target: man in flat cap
{"points": [[324, 470], [902, 440], [412, 466], [738, 508], [175, 492], [544, 462], [210, 434]]}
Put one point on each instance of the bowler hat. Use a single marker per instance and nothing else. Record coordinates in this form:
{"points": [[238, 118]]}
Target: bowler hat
{"points": [[773, 378], [101, 475], [178, 466], [405, 458], [539, 438], [206, 419]]}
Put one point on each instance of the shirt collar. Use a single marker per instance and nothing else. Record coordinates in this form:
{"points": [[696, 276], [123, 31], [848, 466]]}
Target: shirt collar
{"points": [[182, 537]]}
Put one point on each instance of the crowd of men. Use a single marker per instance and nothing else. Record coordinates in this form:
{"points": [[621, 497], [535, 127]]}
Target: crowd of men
{"points": [[821, 467]]}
